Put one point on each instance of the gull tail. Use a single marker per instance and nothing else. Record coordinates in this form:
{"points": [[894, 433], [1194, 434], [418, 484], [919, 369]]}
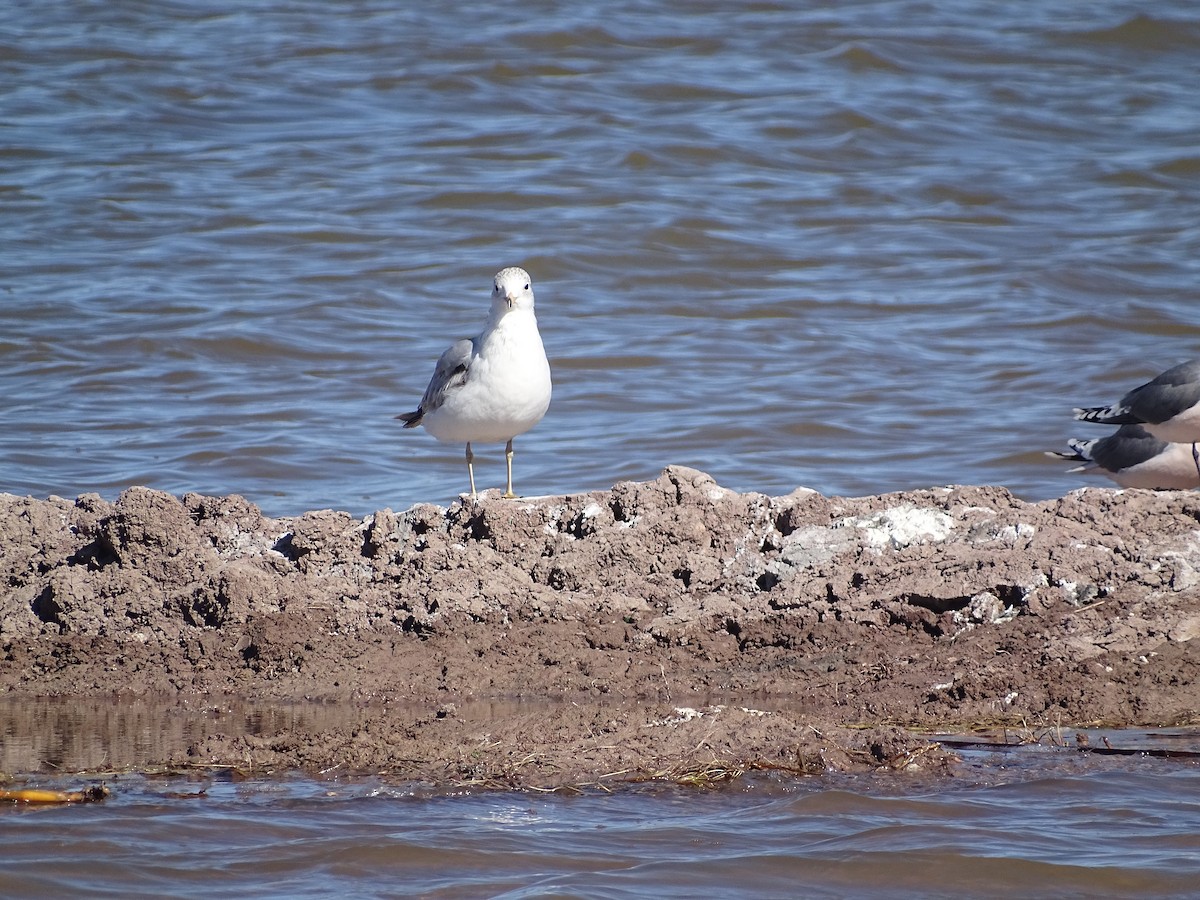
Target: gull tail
{"points": [[1107, 415], [1081, 451], [412, 419]]}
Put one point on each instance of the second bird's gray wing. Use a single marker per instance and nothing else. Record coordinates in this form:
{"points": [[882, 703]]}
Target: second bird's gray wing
{"points": [[1128, 446], [450, 373]]}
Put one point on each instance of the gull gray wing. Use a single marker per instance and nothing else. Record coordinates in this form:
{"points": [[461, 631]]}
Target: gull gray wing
{"points": [[1173, 392], [450, 373], [1128, 446]]}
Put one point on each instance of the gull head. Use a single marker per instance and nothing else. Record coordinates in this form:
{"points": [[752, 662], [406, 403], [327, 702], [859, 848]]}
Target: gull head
{"points": [[512, 289]]}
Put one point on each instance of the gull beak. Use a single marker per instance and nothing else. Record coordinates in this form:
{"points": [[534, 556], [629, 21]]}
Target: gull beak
{"points": [[510, 300]]}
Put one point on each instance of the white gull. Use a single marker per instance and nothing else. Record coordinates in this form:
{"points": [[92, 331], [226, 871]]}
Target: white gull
{"points": [[494, 386]]}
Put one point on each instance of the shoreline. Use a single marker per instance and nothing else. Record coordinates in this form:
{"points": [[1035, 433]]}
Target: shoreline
{"points": [[859, 622]]}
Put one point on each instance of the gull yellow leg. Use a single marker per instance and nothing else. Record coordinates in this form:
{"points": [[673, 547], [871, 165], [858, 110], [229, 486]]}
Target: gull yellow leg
{"points": [[508, 494], [471, 469]]}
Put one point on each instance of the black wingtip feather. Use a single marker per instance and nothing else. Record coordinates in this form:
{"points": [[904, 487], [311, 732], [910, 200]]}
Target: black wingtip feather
{"points": [[1106, 415]]}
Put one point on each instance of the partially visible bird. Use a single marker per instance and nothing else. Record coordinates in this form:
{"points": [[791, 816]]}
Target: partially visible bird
{"points": [[494, 386], [1134, 458], [1168, 407]]}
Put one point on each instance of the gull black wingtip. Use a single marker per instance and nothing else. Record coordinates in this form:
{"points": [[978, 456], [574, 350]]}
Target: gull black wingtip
{"points": [[1105, 415], [412, 419], [1074, 455]]}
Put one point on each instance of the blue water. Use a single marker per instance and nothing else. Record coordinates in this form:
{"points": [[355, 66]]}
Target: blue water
{"points": [[1059, 828], [864, 248]]}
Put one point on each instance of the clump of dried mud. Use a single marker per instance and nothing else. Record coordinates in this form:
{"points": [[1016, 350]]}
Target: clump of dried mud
{"points": [[675, 624]]}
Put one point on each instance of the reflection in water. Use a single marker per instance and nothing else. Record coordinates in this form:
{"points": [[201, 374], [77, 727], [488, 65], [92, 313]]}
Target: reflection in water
{"points": [[98, 734], [1044, 816], [1041, 820]]}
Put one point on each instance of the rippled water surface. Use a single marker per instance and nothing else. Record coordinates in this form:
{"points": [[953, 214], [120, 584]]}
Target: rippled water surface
{"points": [[1036, 820], [1056, 829], [862, 248]]}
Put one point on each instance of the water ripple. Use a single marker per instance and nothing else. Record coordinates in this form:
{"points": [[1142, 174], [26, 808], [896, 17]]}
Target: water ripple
{"points": [[851, 248]]}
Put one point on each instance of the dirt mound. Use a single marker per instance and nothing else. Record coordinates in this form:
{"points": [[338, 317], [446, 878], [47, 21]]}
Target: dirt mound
{"points": [[936, 608]]}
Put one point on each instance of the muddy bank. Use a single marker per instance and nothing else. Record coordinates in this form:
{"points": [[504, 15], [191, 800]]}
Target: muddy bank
{"points": [[799, 630]]}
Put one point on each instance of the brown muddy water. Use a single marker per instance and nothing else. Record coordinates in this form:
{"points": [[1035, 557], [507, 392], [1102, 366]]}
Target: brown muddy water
{"points": [[1040, 821]]}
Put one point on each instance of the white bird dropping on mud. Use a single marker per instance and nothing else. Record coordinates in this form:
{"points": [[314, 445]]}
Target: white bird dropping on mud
{"points": [[494, 386], [1134, 458]]}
